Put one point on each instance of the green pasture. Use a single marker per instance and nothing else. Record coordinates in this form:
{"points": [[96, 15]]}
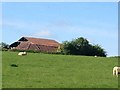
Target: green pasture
{"points": [[57, 71]]}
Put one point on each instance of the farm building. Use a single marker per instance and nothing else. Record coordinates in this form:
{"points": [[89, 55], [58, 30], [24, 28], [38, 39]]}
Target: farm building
{"points": [[35, 44]]}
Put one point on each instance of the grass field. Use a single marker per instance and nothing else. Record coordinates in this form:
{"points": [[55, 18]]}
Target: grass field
{"points": [[57, 71]]}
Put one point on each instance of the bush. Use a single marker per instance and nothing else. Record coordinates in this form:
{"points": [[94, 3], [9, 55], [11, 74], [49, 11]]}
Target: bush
{"points": [[34, 51]]}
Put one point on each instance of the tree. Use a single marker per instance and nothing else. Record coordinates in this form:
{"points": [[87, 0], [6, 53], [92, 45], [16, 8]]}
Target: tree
{"points": [[4, 46], [67, 48], [81, 46], [99, 51]]}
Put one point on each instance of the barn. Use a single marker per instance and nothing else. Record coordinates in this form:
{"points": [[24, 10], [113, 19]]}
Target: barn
{"points": [[35, 44]]}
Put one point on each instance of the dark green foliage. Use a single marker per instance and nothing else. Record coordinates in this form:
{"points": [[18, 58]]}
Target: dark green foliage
{"points": [[34, 51], [97, 50], [31, 51], [4, 46], [81, 46]]}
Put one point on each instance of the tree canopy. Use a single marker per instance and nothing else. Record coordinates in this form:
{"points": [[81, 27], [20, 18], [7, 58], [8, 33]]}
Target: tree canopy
{"points": [[81, 46]]}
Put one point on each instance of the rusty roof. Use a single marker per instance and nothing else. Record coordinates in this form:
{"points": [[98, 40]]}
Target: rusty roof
{"points": [[40, 41], [36, 47]]}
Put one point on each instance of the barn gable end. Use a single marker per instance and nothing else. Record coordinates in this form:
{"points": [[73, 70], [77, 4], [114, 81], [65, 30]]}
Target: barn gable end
{"points": [[23, 39]]}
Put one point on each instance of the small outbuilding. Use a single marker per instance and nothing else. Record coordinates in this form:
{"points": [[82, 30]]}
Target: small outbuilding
{"points": [[35, 44]]}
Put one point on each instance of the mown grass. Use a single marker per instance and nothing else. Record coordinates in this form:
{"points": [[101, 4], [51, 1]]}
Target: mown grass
{"points": [[57, 71]]}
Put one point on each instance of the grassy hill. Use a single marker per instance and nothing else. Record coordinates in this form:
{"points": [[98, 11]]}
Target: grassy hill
{"points": [[57, 71]]}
